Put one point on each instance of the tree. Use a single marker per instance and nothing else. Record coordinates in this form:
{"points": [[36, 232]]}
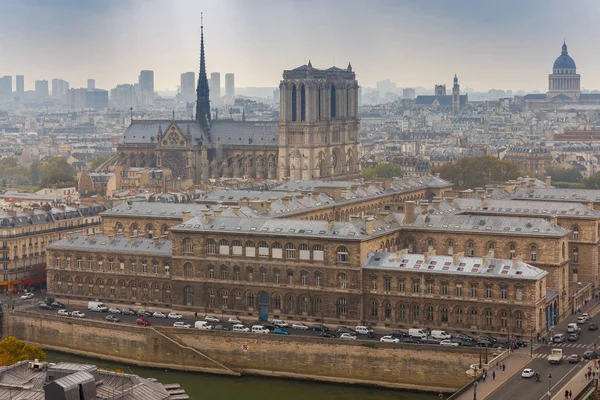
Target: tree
{"points": [[98, 161], [383, 170], [593, 182], [472, 172], [12, 350], [57, 172], [564, 174], [34, 173]]}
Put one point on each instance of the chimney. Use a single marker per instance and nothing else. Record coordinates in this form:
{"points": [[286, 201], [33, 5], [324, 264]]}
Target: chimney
{"points": [[286, 200], [344, 193], [90, 238], [379, 185], [480, 192], [68, 235], [553, 220], [207, 218], [483, 201], [385, 215], [428, 254], [354, 218], [489, 256], [236, 210], [155, 241], [369, 225], [489, 191], [457, 256], [132, 240], [354, 187], [531, 182], [450, 200], [590, 205], [424, 207], [516, 260], [185, 215], [217, 211], [410, 216], [548, 181], [299, 198], [330, 223]]}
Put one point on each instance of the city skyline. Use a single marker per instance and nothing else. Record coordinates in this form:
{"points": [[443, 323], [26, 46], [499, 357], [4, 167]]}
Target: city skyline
{"points": [[487, 45]]}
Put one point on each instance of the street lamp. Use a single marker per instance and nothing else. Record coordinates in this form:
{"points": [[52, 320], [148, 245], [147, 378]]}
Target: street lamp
{"points": [[531, 343], [480, 358], [549, 386]]}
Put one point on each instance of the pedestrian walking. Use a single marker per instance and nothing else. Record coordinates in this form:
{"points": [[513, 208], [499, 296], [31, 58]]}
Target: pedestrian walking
{"points": [[493, 375], [483, 377], [566, 395], [497, 364], [196, 315], [504, 368], [570, 394]]}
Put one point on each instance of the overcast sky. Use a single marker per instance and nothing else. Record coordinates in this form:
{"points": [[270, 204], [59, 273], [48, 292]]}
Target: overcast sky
{"points": [[505, 44]]}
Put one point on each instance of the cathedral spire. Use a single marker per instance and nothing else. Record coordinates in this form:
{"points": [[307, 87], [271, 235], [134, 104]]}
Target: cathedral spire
{"points": [[202, 92], [564, 48]]}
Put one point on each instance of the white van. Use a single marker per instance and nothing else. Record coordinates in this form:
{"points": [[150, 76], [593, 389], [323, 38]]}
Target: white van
{"points": [[97, 306], [362, 330], [240, 328], [581, 320], [203, 325], [441, 335], [416, 333], [572, 328], [259, 329]]}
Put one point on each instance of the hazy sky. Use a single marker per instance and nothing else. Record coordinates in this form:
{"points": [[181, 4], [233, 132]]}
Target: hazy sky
{"points": [[508, 44]]}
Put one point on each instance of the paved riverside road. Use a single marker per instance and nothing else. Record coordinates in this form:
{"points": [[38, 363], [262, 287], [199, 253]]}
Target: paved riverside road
{"points": [[523, 388]]}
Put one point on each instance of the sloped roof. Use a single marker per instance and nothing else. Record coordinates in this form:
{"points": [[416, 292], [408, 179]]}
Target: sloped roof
{"points": [[245, 133]]}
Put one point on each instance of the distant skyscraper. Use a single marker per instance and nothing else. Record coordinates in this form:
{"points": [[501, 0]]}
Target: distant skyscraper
{"points": [[60, 88], [20, 85], [215, 85], [91, 84], [6, 88], [188, 86], [440, 90], [41, 89], [386, 86], [77, 98], [230, 85], [96, 99], [408, 93], [123, 96], [146, 81]]}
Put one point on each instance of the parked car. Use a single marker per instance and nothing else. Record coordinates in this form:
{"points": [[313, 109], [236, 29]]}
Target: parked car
{"points": [[181, 324], [259, 329], [464, 337], [527, 373], [484, 342], [398, 334], [144, 313], [363, 330], [348, 336], [142, 321], [64, 312], [573, 337], [344, 329], [410, 340], [389, 339], [326, 334], [57, 305], [319, 328], [159, 314], [300, 326], [488, 338], [234, 321], [280, 331], [27, 296], [114, 310], [590, 355], [269, 326], [429, 340], [128, 311], [220, 327], [78, 314], [97, 306], [574, 358], [461, 342], [44, 306], [240, 328], [112, 318], [280, 323], [592, 327], [203, 325], [212, 319], [174, 315], [448, 342], [581, 320]]}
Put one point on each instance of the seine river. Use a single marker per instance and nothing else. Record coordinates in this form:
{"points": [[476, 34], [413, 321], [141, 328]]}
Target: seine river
{"points": [[206, 386]]}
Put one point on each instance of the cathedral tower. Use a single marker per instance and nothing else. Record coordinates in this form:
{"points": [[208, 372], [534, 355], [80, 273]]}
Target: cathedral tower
{"points": [[455, 96], [202, 92], [318, 125]]}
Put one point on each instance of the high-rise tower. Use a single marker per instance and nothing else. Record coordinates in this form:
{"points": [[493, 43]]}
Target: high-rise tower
{"points": [[202, 91]]}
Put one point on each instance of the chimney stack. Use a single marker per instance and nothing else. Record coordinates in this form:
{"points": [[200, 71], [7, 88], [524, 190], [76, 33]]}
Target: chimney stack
{"points": [[548, 181], [457, 256], [385, 215], [424, 207], [186, 215], [410, 215], [369, 226], [450, 200], [217, 211], [590, 205], [330, 223], [354, 218], [286, 200], [236, 210]]}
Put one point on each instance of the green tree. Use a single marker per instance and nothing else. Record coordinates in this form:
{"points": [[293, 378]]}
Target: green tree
{"points": [[565, 174], [593, 182], [34, 173], [383, 170], [471, 172], [98, 161], [12, 350], [57, 172]]}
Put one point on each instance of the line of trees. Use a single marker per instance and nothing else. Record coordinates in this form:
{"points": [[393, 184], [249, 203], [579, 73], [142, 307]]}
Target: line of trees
{"points": [[55, 172], [471, 172]]}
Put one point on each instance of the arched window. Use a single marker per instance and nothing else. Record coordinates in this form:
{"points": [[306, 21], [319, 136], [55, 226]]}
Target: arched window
{"points": [[491, 246], [575, 230], [318, 305], [263, 250], [429, 313], [415, 312], [149, 230], [133, 229], [224, 298], [342, 254], [387, 310], [304, 278], [277, 302], [303, 103], [488, 317], [470, 249], [304, 304], [294, 104], [263, 275], [402, 312], [188, 245], [119, 228], [374, 308], [188, 270], [342, 306], [430, 244], [474, 317], [512, 250], [444, 314], [188, 296], [290, 251], [458, 315], [504, 319], [290, 304], [575, 257], [519, 319], [333, 101], [533, 252], [165, 230], [450, 246], [250, 299], [211, 246], [343, 281]]}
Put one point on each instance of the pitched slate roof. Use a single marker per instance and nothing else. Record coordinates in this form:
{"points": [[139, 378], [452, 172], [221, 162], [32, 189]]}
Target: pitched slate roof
{"points": [[145, 131], [523, 207], [245, 133], [103, 244], [557, 194], [535, 96], [445, 100]]}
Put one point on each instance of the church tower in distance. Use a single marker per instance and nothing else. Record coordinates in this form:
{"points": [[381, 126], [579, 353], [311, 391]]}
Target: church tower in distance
{"points": [[455, 96], [318, 125]]}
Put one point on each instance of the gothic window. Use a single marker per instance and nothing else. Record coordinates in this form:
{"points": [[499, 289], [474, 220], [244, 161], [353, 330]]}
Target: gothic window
{"points": [[416, 286], [319, 102], [188, 295], [503, 292], [342, 306], [575, 257], [533, 252], [318, 278], [450, 245], [211, 272], [304, 279], [373, 282], [303, 103], [333, 101], [488, 291], [294, 104], [444, 289], [223, 272]]}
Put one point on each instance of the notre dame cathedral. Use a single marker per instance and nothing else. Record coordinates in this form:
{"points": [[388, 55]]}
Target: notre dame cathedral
{"points": [[316, 137]]}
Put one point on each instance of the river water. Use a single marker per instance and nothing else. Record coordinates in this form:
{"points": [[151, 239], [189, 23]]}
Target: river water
{"points": [[207, 386]]}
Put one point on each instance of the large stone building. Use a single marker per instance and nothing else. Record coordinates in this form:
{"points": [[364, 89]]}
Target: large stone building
{"points": [[316, 137], [535, 160], [441, 101]]}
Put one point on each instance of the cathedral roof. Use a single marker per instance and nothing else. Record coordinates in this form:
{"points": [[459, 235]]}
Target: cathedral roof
{"points": [[444, 101], [564, 60], [145, 131], [245, 133]]}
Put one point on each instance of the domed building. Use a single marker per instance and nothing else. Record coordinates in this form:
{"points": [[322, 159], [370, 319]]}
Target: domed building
{"points": [[564, 78]]}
